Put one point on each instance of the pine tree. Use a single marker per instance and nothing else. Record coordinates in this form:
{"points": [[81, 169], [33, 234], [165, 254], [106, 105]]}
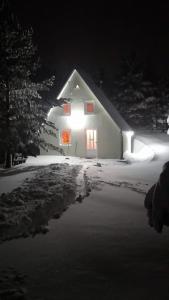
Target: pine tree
{"points": [[161, 107], [143, 103], [23, 110]]}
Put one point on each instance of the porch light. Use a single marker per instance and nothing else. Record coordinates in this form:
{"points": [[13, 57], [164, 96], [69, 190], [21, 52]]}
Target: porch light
{"points": [[129, 133], [77, 120]]}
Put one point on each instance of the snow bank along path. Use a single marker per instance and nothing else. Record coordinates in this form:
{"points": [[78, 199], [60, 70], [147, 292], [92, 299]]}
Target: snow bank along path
{"points": [[27, 209]]}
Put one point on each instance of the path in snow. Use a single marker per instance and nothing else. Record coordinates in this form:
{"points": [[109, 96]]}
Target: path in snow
{"points": [[44, 195], [99, 249]]}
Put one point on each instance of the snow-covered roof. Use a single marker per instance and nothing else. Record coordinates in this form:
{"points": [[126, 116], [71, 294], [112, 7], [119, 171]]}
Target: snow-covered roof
{"points": [[106, 103]]}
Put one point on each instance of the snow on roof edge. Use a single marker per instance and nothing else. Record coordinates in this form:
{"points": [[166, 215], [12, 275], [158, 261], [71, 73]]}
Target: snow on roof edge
{"points": [[107, 104]]}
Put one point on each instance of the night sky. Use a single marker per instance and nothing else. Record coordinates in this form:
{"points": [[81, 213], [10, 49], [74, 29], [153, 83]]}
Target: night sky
{"points": [[77, 35]]}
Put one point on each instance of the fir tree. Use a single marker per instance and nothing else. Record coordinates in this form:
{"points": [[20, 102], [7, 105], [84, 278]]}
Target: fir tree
{"points": [[23, 111], [143, 103]]}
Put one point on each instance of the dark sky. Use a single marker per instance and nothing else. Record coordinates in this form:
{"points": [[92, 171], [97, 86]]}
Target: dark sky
{"points": [[72, 35]]}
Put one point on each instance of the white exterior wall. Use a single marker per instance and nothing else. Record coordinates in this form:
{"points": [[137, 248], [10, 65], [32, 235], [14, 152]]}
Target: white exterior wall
{"points": [[109, 141]]}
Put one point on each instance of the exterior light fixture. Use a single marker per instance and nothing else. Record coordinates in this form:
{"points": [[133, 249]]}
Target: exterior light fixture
{"points": [[77, 120], [129, 133]]}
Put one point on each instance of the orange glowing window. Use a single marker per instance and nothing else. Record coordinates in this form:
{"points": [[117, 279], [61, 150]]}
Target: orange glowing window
{"points": [[66, 137], [67, 108], [89, 107]]}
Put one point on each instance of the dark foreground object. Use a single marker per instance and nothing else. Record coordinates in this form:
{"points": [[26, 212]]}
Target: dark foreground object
{"points": [[157, 201]]}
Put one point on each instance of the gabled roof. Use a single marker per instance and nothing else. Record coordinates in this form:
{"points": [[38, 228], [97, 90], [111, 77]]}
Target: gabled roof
{"points": [[106, 103]]}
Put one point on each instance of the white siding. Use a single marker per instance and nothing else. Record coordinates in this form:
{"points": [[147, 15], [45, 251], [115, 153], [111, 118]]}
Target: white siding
{"points": [[109, 143]]}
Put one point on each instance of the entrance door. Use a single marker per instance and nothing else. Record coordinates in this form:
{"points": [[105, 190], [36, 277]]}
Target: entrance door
{"points": [[91, 143]]}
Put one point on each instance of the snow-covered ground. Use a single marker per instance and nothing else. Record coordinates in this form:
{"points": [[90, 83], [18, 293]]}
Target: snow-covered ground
{"points": [[142, 167], [41, 179], [100, 244], [45, 193]]}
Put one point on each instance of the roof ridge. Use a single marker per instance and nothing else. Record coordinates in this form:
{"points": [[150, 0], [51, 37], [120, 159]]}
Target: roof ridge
{"points": [[104, 100]]}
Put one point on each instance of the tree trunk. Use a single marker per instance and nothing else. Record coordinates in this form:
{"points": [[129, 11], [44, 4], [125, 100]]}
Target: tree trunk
{"points": [[8, 155], [8, 160]]}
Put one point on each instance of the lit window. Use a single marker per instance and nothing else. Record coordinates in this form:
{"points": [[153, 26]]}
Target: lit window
{"points": [[91, 139], [67, 108], [65, 137], [89, 107]]}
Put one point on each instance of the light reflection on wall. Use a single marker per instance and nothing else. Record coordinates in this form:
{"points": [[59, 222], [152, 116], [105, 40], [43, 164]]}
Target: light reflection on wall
{"points": [[77, 120]]}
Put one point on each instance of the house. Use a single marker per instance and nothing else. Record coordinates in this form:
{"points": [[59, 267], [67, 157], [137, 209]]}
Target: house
{"points": [[88, 124]]}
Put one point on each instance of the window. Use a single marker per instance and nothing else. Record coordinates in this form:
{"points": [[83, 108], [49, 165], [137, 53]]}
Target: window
{"points": [[91, 139], [89, 107], [67, 108], [65, 137]]}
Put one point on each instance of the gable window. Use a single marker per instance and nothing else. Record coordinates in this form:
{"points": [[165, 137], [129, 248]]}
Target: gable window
{"points": [[65, 137], [89, 107], [67, 108]]}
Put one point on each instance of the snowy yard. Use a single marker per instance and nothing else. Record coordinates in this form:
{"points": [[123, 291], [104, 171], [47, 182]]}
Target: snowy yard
{"points": [[99, 244], [46, 185], [45, 182], [45, 193]]}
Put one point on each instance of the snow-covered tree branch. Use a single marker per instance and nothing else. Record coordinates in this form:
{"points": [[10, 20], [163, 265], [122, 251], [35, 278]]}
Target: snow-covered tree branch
{"points": [[23, 110], [143, 103]]}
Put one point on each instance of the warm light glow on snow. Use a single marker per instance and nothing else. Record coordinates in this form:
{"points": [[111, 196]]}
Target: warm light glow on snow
{"points": [[77, 120]]}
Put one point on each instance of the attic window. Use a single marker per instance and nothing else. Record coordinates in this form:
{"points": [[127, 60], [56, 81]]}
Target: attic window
{"points": [[67, 108], [65, 137], [89, 107], [77, 87]]}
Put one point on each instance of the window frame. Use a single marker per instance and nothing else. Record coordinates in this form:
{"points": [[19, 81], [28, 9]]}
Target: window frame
{"points": [[60, 137], [69, 112], [85, 110]]}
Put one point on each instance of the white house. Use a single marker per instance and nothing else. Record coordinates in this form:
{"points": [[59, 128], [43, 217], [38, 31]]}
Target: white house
{"points": [[88, 124]]}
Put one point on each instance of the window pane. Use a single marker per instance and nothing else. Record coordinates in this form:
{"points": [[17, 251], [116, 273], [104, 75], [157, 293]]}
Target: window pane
{"points": [[67, 108], [89, 107], [66, 137], [91, 139]]}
